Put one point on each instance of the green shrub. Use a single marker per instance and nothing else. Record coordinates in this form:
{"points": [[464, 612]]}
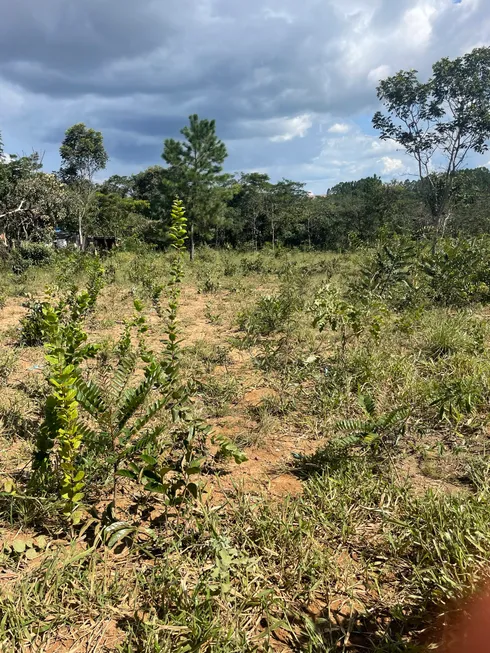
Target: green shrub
{"points": [[458, 272], [30, 254], [31, 325], [208, 285], [269, 315], [390, 273], [255, 265], [448, 334]]}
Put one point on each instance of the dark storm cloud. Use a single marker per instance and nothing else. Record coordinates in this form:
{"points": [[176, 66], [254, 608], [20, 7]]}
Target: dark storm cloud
{"points": [[76, 37], [269, 71]]}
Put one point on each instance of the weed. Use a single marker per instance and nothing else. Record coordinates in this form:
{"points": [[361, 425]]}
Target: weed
{"points": [[448, 334], [375, 432], [216, 394], [8, 360], [209, 285], [19, 415], [272, 313]]}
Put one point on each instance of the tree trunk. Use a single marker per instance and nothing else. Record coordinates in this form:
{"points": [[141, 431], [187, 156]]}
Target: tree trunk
{"points": [[273, 229], [254, 232], [80, 232], [440, 228]]}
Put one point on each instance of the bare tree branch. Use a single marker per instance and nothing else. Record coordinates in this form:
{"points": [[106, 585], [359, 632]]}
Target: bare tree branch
{"points": [[19, 208]]}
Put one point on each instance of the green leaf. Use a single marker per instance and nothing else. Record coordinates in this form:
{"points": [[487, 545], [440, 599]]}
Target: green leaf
{"points": [[193, 489], [120, 535], [367, 402], [76, 517], [41, 541], [159, 488], [19, 546], [30, 554], [126, 473], [149, 460], [194, 466]]}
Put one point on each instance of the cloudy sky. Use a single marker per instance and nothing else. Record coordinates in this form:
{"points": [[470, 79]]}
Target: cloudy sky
{"points": [[291, 83]]}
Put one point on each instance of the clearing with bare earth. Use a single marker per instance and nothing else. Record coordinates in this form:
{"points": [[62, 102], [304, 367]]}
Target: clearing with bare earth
{"points": [[301, 466]]}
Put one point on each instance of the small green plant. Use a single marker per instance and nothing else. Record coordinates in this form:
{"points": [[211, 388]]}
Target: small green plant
{"points": [[209, 285], [33, 324], [126, 415], [457, 271], [61, 433], [457, 400], [212, 316], [96, 280], [24, 548], [376, 432], [8, 359], [351, 320], [145, 273], [269, 315], [390, 273]]}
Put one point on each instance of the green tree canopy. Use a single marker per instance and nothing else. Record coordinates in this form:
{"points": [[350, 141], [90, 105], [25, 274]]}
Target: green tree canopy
{"points": [[439, 122], [82, 155], [195, 174]]}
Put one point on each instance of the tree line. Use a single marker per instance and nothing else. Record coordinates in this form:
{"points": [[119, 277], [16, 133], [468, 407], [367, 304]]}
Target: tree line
{"points": [[439, 123]]}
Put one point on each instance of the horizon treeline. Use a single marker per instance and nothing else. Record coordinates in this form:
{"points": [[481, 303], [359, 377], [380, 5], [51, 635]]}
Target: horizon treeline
{"points": [[439, 122]]}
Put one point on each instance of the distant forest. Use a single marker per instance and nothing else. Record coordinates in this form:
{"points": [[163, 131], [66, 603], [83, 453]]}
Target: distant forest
{"points": [[438, 122]]}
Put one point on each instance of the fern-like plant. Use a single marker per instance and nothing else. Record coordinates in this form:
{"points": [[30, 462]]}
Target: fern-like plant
{"points": [[376, 431], [130, 418]]}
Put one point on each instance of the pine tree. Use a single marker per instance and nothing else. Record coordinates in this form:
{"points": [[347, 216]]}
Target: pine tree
{"points": [[195, 172]]}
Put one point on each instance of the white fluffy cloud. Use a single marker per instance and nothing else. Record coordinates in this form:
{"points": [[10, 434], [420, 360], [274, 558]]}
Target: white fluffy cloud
{"points": [[392, 166], [292, 128], [277, 75], [339, 128]]}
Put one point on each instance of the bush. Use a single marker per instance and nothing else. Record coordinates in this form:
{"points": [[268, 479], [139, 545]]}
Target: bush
{"points": [[31, 333], [29, 254], [269, 315], [458, 272]]}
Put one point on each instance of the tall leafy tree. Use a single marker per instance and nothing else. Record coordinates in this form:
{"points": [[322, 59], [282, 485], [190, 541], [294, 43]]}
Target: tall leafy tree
{"points": [[250, 205], [31, 202], [284, 207], [119, 185], [439, 122], [195, 174], [119, 216], [82, 156]]}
